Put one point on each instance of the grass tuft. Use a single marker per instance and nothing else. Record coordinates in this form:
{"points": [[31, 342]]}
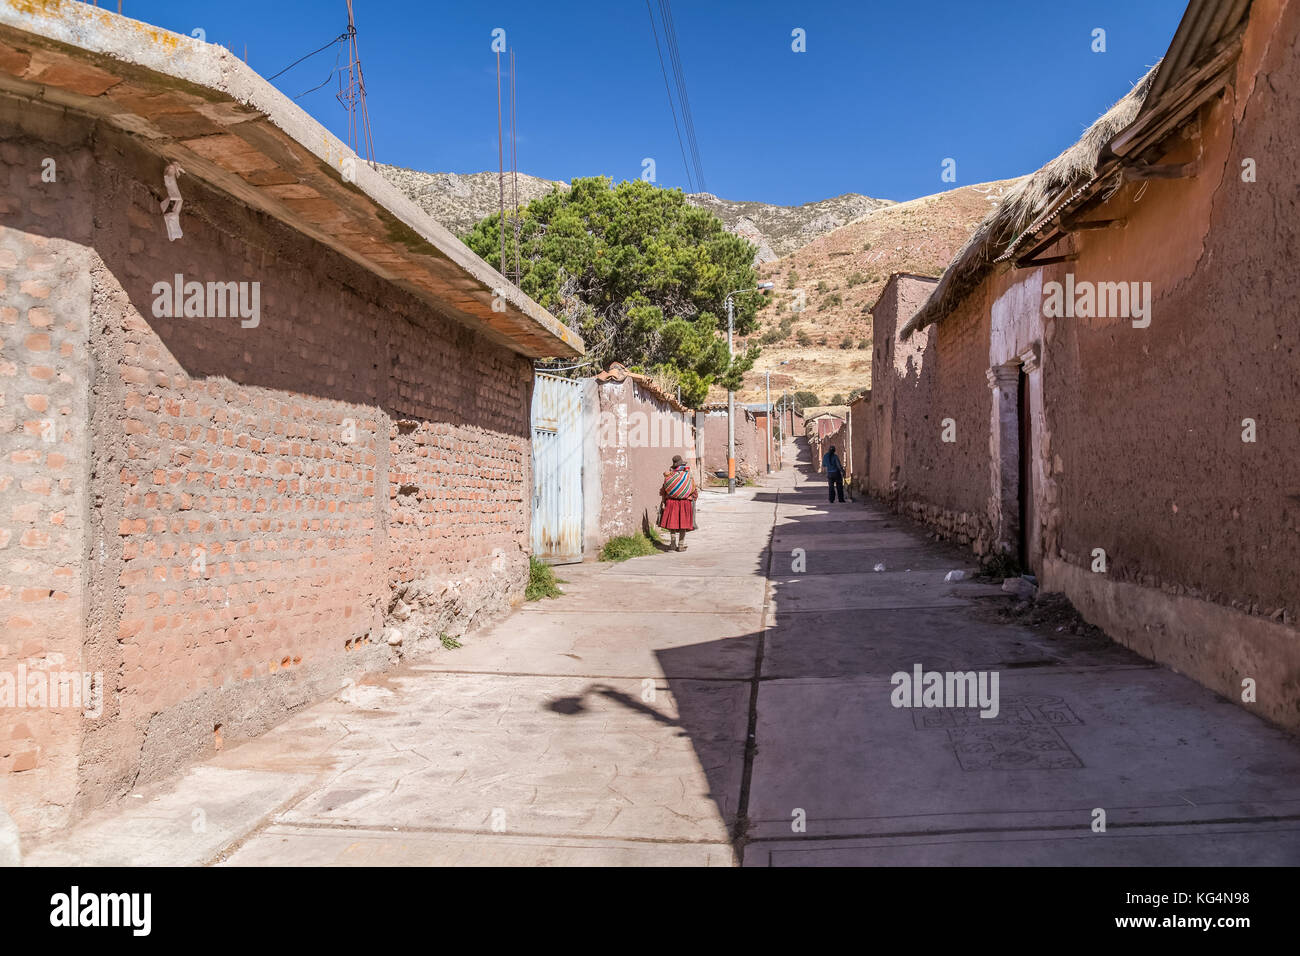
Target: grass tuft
{"points": [[629, 546], [542, 582]]}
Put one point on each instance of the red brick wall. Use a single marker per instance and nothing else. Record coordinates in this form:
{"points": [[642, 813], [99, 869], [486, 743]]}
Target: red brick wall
{"points": [[44, 361], [255, 500]]}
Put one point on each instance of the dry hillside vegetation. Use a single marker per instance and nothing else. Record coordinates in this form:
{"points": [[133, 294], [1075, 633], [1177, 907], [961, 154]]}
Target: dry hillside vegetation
{"points": [[827, 345], [837, 251]]}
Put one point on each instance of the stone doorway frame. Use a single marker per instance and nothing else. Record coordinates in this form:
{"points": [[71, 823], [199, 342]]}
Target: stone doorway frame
{"points": [[1004, 457]]}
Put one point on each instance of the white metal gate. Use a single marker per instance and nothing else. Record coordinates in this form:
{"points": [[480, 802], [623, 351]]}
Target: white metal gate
{"points": [[557, 469]]}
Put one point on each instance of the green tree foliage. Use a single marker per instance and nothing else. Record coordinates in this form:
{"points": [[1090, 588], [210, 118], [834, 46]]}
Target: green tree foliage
{"points": [[805, 399], [641, 274], [838, 399]]}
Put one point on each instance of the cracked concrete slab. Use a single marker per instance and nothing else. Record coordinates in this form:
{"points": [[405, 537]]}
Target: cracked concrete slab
{"points": [[888, 589], [186, 823], [1140, 742], [562, 642], [609, 727], [849, 643], [302, 846]]}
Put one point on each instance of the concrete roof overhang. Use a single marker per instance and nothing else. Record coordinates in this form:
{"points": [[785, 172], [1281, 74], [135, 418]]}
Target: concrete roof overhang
{"points": [[198, 105]]}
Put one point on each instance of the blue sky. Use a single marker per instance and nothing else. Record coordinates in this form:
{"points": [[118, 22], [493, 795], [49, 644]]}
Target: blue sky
{"points": [[883, 94]]}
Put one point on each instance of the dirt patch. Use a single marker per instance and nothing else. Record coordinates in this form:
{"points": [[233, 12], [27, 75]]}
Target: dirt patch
{"points": [[1049, 612]]}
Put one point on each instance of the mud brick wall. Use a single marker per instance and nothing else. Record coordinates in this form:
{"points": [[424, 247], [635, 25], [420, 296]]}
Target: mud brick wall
{"points": [[919, 382], [860, 454], [44, 363], [633, 464], [895, 376], [1147, 424], [230, 521], [750, 446]]}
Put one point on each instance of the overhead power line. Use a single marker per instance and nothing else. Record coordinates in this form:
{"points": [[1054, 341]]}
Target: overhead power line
{"points": [[671, 104], [683, 99], [338, 39]]}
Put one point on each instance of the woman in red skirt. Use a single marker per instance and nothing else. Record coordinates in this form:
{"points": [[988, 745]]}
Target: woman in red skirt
{"points": [[678, 493]]}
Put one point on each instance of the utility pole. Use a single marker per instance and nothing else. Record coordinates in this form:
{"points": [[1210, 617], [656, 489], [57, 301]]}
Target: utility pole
{"points": [[769, 421], [731, 408], [763, 287]]}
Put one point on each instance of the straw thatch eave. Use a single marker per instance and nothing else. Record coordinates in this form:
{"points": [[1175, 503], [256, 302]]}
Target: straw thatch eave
{"points": [[1025, 204]]}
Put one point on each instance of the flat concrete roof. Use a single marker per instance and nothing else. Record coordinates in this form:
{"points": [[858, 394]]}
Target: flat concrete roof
{"points": [[198, 105]]}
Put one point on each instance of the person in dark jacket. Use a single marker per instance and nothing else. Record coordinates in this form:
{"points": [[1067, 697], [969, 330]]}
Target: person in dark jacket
{"points": [[834, 473]]}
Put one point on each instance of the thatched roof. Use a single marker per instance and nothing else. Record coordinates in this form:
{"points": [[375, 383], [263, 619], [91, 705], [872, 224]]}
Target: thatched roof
{"points": [[1025, 204]]}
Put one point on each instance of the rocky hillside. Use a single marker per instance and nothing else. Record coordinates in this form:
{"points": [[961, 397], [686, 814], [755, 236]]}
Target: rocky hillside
{"points": [[780, 230], [833, 256], [826, 346], [458, 201]]}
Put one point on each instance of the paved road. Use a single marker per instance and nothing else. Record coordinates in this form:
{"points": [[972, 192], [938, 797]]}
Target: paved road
{"points": [[732, 704]]}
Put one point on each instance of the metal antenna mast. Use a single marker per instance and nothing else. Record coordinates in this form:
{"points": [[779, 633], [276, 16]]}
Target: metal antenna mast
{"points": [[501, 168], [354, 95], [514, 166]]}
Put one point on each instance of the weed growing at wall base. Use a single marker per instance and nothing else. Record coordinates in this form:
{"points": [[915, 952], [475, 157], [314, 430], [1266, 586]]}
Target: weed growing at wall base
{"points": [[542, 582], [628, 546]]}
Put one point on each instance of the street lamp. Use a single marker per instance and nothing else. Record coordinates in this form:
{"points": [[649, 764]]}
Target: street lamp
{"points": [[763, 287]]}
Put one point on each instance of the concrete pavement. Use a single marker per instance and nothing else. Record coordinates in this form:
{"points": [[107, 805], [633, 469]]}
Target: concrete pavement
{"points": [[732, 703]]}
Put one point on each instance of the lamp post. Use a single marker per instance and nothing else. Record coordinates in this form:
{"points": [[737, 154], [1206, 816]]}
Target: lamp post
{"points": [[731, 396]]}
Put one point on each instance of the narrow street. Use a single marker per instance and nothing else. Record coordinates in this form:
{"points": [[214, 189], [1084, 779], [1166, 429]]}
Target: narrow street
{"points": [[609, 727]]}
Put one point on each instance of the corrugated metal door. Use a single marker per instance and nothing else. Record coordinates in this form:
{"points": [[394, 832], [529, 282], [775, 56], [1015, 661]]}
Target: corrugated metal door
{"points": [[557, 469]]}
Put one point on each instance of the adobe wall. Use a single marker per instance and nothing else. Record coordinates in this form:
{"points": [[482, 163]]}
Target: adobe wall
{"points": [[242, 508], [1137, 432], [646, 433], [749, 447], [918, 384], [945, 395], [860, 427], [1147, 451]]}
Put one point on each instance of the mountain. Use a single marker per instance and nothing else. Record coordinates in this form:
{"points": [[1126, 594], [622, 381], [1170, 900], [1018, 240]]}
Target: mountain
{"points": [[839, 252], [780, 230], [459, 200], [826, 347]]}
